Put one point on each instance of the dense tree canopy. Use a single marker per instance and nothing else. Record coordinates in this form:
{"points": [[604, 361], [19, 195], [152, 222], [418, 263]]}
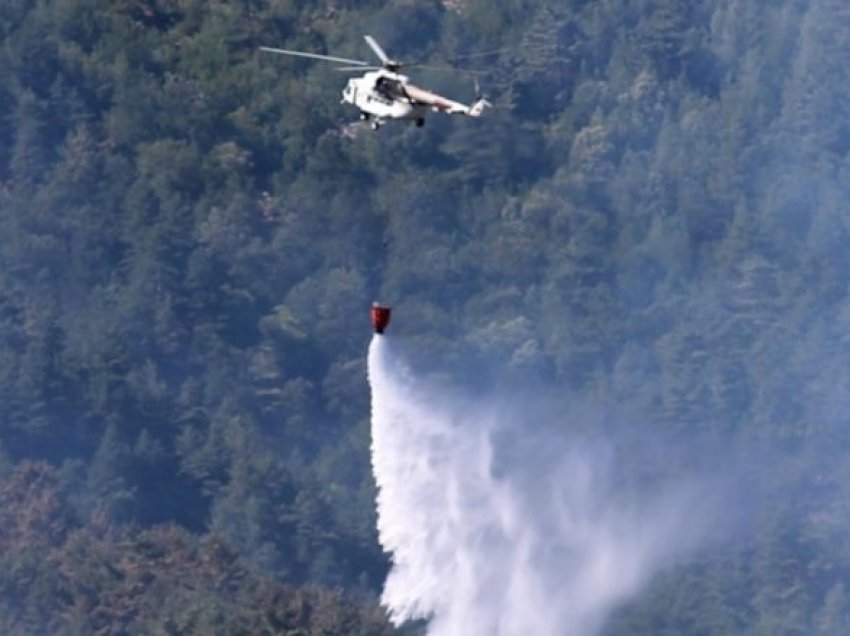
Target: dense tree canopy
{"points": [[653, 214]]}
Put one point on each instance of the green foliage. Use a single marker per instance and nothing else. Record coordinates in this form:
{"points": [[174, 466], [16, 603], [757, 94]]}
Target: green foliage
{"points": [[65, 577], [653, 212]]}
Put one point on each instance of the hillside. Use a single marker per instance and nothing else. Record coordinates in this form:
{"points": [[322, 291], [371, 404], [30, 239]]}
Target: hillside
{"points": [[652, 217]]}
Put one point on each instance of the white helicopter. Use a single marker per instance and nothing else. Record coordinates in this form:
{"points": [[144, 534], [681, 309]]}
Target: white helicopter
{"points": [[384, 94]]}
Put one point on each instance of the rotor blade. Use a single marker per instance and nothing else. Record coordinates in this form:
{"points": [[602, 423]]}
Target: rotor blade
{"points": [[449, 69], [377, 49], [314, 56], [482, 53], [358, 69]]}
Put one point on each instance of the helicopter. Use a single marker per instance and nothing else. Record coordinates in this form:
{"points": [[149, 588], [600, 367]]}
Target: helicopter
{"points": [[383, 94]]}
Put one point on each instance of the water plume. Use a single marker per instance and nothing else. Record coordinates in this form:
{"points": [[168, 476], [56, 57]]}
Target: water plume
{"points": [[500, 525]]}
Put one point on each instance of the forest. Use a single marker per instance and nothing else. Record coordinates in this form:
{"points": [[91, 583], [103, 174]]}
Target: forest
{"points": [[653, 216]]}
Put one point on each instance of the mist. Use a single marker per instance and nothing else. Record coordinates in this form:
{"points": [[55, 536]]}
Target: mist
{"points": [[503, 518]]}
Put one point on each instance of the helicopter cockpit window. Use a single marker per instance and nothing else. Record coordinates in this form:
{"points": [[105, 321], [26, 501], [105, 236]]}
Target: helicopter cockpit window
{"points": [[389, 88]]}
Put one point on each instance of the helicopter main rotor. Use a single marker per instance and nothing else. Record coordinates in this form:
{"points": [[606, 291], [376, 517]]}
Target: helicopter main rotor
{"points": [[315, 56], [354, 65], [386, 61]]}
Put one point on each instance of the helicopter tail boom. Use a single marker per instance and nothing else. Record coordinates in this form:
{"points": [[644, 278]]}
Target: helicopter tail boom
{"points": [[442, 104]]}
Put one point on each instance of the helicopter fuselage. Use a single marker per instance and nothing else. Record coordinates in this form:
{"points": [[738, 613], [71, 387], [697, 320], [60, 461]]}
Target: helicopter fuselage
{"points": [[382, 95]]}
